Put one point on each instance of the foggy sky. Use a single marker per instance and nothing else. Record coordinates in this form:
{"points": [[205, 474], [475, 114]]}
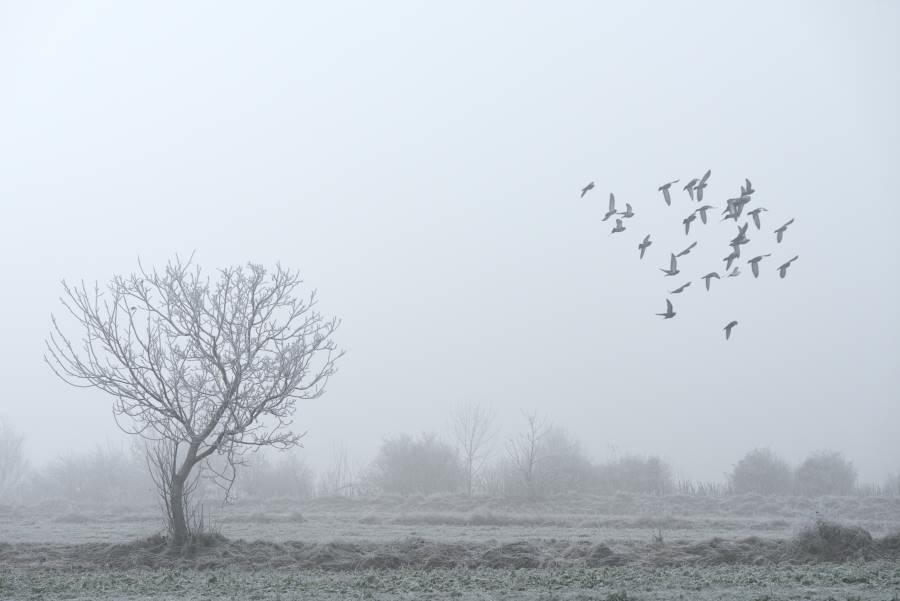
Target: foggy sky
{"points": [[420, 163]]}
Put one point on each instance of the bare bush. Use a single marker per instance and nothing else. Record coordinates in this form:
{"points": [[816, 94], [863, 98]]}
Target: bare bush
{"points": [[13, 464], [825, 473], [287, 476], [423, 465], [762, 471], [338, 479], [104, 475]]}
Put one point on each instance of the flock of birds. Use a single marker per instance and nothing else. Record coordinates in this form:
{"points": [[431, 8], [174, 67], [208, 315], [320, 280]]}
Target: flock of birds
{"points": [[733, 210]]}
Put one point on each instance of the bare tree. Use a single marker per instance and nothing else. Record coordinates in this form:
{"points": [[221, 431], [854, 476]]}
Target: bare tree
{"points": [[473, 430], [12, 460], [202, 367], [337, 479], [524, 451]]}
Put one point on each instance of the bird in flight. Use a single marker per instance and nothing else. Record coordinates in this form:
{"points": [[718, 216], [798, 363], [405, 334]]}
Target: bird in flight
{"points": [[690, 187], [754, 263], [708, 277], [730, 325], [782, 269], [747, 189], [687, 223], [673, 266], [628, 213], [612, 207], [665, 190], [619, 227], [680, 289], [702, 212], [702, 184], [644, 245], [687, 250], [587, 189], [741, 238], [734, 273], [669, 314], [755, 214], [730, 258], [779, 233]]}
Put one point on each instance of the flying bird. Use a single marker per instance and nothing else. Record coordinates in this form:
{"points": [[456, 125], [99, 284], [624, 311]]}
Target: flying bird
{"points": [[673, 267], [665, 190], [727, 328], [702, 185], [702, 212], [619, 227], [755, 213], [587, 189], [644, 245], [782, 269], [687, 223], [612, 207], [628, 212], [754, 263], [779, 233], [690, 187], [669, 314], [680, 289], [730, 258], [734, 273], [687, 250], [747, 190], [708, 277]]}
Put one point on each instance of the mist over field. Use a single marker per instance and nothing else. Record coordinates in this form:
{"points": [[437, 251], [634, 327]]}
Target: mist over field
{"points": [[401, 295]]}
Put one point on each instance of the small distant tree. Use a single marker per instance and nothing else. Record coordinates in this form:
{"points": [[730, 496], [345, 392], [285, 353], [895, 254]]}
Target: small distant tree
{"points": [[338, 478], [423, 465], [197, 366], [762, 471], [12, 460], [825, 473], [473, 430], [525, 452]]}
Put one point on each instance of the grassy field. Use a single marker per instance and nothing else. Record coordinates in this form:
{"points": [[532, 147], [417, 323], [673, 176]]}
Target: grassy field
{"points": [[450, 547]]}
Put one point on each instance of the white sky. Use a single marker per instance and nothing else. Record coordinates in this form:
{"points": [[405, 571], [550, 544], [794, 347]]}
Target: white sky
{"points": [[421, 164]]}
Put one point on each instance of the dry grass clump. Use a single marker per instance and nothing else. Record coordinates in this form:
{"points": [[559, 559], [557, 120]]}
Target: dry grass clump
{"points": [[830, 541]]}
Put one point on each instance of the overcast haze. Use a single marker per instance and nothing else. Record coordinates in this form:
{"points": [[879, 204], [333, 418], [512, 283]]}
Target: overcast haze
{"points": [[421, 165]]}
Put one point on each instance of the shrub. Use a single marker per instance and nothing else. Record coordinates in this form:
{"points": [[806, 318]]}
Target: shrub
{"points": [[831, 541], [562, 465], [12, 461], [761, 471], [289, 476], [425, 465], [634, 474], [105, 475], [825, 473]]}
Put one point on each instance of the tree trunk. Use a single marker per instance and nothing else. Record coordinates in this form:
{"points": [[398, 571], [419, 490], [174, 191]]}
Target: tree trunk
{"points": [[176, 506]]}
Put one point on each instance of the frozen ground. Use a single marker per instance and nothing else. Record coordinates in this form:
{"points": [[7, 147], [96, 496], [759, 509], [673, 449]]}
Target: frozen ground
{"points": [[449, 547]]}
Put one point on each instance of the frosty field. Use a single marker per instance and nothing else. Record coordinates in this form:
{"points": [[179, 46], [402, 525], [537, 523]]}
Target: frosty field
{"points": [[450, 547]]}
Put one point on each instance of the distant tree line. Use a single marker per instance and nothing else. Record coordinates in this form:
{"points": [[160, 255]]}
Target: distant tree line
{"points": [[540, 461]]}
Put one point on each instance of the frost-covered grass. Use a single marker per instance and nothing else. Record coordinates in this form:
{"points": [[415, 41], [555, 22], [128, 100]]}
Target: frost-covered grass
{"points": [[452, 547], [877, 580]]}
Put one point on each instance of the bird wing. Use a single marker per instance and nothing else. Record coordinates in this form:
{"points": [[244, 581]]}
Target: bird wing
{"points": [[612, 202], [668, 306], [705, 176], [755, 267], [673, 263]]}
